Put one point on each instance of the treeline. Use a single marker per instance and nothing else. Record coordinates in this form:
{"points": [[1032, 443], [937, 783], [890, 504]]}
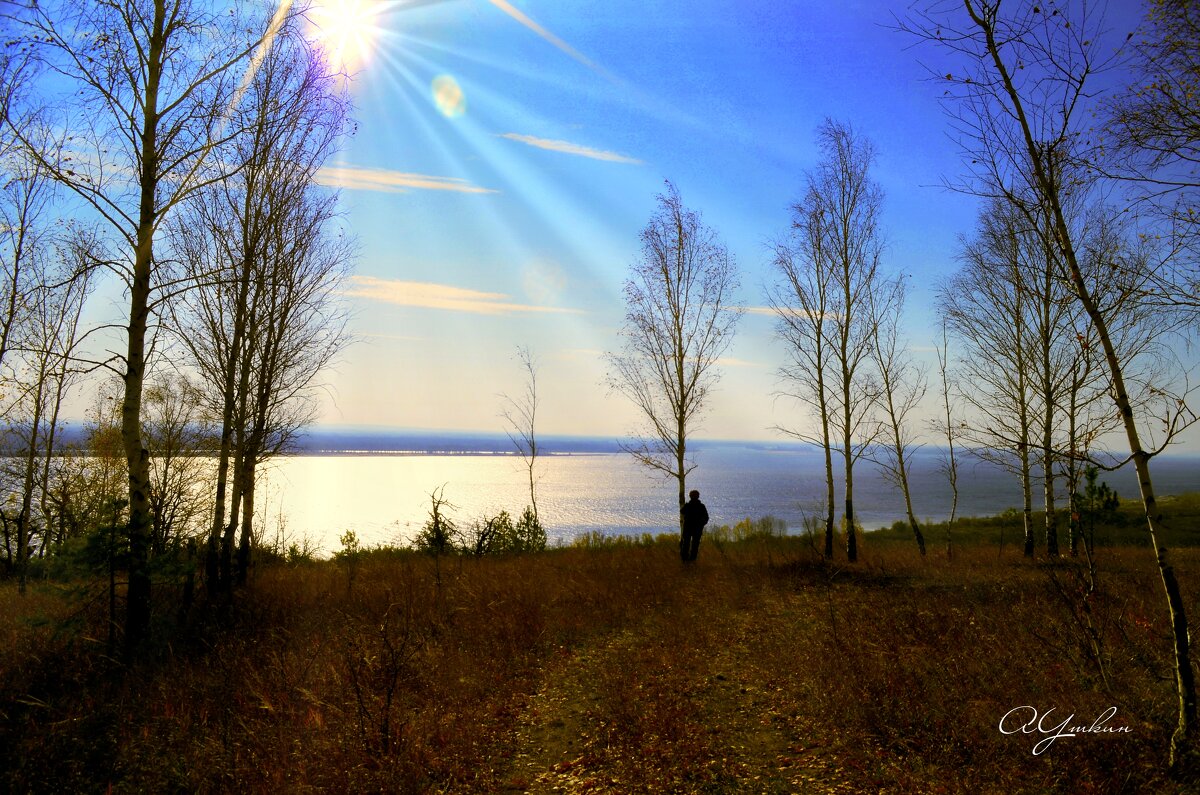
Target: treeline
{"points": [[173, 148], [1105, 520], [1060, 326], [1073, 292]]}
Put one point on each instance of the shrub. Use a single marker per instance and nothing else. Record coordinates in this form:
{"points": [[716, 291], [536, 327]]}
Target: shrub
{"points": [[489, 535], [499, 534], [528, 535], [747, 529], [439, 535]]}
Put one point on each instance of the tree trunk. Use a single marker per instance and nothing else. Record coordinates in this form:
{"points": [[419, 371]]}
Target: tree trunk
{"points": [[247, 534], [681, 477], [1048, 494], [1048, 403], [902, 469], [1185, 681], [1026, 499], [137, 458], [14, 285], [212, 551], [51, 433], [830, 499], [225, 577], [851, 537], [830, 507], [31, 458], [1023, 421], [212, 548], [1073, 463], [237, 340]]}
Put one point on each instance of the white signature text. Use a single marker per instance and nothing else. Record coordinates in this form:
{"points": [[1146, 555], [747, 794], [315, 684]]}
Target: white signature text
{"points": [[1030, 720]]}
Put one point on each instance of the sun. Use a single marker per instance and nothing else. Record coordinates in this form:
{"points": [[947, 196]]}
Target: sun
{"points": [[346, 30]]}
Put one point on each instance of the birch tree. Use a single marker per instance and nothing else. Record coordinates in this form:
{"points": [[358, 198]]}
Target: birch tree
{"points": [[902, 387], [1022, 80], [45, 372], [946, 424], [985, 306], [261, 245], [680, 316], [845, 205], [142, 93], [1053, 352], [801, 300]]}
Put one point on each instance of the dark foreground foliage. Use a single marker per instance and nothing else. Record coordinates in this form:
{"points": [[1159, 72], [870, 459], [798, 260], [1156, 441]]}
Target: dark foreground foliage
{"points": [[607, 668]]}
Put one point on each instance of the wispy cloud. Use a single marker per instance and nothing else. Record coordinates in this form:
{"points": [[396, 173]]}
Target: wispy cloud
{"points": [[569, 148], [519, 16], [388, 181], [427, 295]]}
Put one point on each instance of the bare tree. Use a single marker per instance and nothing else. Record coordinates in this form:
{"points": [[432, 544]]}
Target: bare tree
{"points": [[1024, 85], [520, 415], [145, 92], [45, 348], [845, 202], [180, 476], [1054, 350], [801, 300], [439, 535], [24, 200], [985, 306], [680, 318], [85, 479], [72, 287], [1155, 124], [947, 425], [1137, 328], [261, 325], [299, 330], [902, 387]]}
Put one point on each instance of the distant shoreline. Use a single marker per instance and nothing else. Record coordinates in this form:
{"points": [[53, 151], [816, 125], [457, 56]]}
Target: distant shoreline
{"points": [[365, 442], [413, 453]]}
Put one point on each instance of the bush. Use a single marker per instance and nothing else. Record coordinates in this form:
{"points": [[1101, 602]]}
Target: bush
{"points": [[748, 529], [528, 535], [439, 535], [499, 534], [489, 535]]}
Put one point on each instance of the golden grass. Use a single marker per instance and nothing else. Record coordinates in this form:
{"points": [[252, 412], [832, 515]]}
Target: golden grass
{"points": [[607, 669]]}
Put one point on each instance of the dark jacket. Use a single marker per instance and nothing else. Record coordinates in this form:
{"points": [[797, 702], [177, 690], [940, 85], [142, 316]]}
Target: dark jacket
{"points": [[695, 515]]}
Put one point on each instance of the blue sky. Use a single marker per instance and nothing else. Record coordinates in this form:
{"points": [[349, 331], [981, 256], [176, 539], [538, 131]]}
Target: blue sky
{"points": [[509, 151]]}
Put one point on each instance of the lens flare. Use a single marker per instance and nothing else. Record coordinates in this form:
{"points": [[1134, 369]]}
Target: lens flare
{"points": [[345, 29], [448, 96]]}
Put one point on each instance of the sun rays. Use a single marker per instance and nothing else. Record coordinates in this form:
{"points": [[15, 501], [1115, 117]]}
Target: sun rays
{"points": [[456, 80], [346, 30]]}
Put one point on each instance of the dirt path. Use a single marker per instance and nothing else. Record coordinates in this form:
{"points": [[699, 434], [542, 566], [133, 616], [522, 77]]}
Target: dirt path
{"points": [[677, 703]]}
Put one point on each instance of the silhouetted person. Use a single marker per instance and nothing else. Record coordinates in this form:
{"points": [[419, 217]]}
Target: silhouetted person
{"points": [[695, 516]]}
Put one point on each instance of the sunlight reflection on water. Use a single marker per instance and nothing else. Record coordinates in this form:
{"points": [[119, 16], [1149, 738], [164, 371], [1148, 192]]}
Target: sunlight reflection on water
{"points": [[385, 498]]}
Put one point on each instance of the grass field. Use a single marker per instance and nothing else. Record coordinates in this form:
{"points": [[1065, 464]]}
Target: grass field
{"points": [[609, 668]]}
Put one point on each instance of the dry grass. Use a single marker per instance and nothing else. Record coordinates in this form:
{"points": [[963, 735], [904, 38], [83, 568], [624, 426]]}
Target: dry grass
{"points": [[607, 670]]}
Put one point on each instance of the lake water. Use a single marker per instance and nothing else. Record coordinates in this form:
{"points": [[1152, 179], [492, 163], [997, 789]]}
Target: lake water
{"points": [[385, 498]]}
